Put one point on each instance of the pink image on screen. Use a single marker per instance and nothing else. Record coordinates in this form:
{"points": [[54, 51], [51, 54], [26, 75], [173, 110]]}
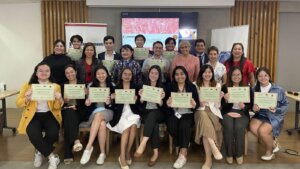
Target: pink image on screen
{"points": [[150, 25]]}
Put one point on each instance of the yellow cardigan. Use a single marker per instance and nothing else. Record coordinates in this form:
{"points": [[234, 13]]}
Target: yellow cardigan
{"points": [[30, 108]]}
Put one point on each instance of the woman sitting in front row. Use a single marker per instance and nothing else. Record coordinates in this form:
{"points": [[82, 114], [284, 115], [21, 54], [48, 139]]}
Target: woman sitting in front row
{"points": [[267, 123]]}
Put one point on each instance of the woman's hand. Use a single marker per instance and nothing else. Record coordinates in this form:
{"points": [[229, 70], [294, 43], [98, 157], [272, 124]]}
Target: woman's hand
{"points": [[58, 96], [163, 94], [221, 94], [272, 109], [202, 104], [234, 115], [169, 102], [226, 97], [255, 108], [108, 100], [88, 102], [193, 103], [28, 95], [141, 92], [241, 105]]}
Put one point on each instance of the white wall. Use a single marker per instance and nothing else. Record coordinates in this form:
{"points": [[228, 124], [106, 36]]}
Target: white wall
{"points": [[20, 44]]}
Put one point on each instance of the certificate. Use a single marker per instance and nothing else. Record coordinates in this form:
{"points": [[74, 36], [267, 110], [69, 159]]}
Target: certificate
{"points": [[98, 94], [141, 53], [209, 94], [151, 94], [108, 64], [169, 55], [125, 96], [74, 91], [75, 54], [181, 100], [239, 94], [265, 100], [42, 92], [157, 62]]}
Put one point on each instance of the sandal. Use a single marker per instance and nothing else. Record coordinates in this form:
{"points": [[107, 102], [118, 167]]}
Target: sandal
{"points": [[77, 147]]}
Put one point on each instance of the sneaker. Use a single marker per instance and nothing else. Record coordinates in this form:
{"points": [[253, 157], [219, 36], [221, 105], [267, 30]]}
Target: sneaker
{"points": [[180, 162], [53, 161], [229, 160], [268, 158], [239, 160], [86, 156], [38, 159], [101, 159]]}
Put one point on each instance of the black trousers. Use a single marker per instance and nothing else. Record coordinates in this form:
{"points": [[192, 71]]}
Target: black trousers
{"points": [[234, 134], [151, 120], [71, 120], [43, 122], [180, 129]]}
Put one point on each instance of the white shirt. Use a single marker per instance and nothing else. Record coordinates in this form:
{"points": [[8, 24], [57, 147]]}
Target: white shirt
{"points": [[219, 71], [109, 57], [266, 88]]}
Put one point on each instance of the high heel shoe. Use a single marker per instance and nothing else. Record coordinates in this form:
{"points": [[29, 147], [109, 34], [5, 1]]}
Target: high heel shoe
{"points": [[268, 158], [122, 167]]}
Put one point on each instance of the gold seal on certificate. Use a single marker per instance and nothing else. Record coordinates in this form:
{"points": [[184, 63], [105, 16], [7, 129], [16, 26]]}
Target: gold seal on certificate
{"points": [[265, 100], [108, 64], [74, 91], [74, 54], [239, 94], [151, 94], [125, 96], [42, 92], [141, 53], [169, 54], [209, 94], [98, 94], [157, 62], [181, 100]]}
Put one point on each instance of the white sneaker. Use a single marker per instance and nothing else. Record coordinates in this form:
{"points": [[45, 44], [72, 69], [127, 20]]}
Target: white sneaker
{"points": [[268, 158], [101, 159], [86, 156], [53, 162], [38, 159], [276, 147], [180, 162]]}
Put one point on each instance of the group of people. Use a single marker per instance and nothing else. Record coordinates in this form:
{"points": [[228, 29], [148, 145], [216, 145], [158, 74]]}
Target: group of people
{"points": [[215, 124]]}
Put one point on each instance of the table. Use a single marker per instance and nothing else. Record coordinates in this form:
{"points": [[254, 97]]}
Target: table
{"points": [[297, 112], [3, 96]]}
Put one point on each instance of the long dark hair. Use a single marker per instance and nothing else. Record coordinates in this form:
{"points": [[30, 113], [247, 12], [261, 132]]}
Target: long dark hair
{"points": [[174, 84], [262, 69], [83, 56], [120, 80], [159, 80], [96, 83], [34, 78], [229, 76], [200, 79], [243, 59]]}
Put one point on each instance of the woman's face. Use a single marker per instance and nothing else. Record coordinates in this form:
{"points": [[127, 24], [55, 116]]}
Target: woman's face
{"points": [[89, 51], [185, 49], [180, 77], [126, 53], [237, 52], [170, 46], [139, 42], [70, 74], [76, 43], [153, 75], [43, 72], [101, 75], [126, 75], [263, 78], [213, 56], [158, 49], [236, 76], [207, 75], [59, 48]]}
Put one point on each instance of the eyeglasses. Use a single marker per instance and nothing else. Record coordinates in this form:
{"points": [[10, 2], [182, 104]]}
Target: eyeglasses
{"points": [[293, 93]]}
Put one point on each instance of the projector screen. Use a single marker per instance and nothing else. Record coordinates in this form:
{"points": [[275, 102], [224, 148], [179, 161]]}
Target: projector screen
{"points": [[158, 26]]}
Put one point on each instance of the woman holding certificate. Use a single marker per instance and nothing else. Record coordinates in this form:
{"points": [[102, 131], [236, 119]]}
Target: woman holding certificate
{"points": [[101, 104], [182, 101], [152, 112], [127, 62], [208, 127], [237, 58], [235, 110], [125, 118], [42, 101], [270, 109], [87, 64], [73, 112]]}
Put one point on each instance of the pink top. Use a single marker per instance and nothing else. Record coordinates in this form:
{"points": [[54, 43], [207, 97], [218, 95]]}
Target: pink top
{"points": [[191, 64]]}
